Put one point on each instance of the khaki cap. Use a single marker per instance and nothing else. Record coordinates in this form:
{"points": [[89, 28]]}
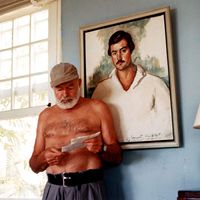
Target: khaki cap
{"points": [[62, 73]]}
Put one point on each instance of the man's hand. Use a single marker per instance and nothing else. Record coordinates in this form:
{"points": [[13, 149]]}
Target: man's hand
{"points": [[53, 156], [94, 145]]}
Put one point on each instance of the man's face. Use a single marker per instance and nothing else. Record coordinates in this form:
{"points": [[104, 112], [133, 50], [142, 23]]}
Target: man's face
{"points": [[121, 55], [67, 94]]}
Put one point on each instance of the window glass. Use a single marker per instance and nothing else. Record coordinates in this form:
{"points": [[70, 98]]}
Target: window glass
{"points": [[39, 57], [21, 93], [21, 61], [39, 22], [5, 64], [5, 95], [39, 88], [16, 144], [5, 34], [21, 30], [24, 56]]}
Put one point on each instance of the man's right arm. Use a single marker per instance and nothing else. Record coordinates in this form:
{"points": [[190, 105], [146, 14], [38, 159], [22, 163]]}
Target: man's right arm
{"points": [[43, 157], [37, 161], [50, 156]]}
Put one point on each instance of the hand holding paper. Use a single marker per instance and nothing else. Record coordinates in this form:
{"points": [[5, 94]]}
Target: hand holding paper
{"points": [[78, 142]]}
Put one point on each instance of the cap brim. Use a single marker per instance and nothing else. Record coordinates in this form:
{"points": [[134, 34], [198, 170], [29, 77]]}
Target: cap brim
{"points": [[61, 81]]}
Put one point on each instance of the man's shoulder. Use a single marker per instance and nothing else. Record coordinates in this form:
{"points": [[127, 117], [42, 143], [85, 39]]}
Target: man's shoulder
{"points": [[149, 78], [47, 111], [94, 103], [94, 106], [153, 77], [90, 101], [104, 80], [98, 105]]}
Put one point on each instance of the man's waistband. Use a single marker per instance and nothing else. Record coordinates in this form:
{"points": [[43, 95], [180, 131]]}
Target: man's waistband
{"points": [[78, 178]]}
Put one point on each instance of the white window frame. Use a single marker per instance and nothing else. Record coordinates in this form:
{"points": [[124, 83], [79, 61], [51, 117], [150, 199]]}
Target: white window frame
{"points": [[54, 50]]}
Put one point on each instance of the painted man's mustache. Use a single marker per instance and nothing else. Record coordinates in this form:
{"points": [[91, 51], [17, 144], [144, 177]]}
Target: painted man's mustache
{"points": [[120, 61]]}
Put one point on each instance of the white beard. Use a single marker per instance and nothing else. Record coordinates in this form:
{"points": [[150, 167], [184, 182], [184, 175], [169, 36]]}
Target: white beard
{"points": [[71, 101]]}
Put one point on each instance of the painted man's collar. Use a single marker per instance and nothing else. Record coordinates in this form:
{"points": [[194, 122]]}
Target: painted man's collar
{"points": [[140, 74]]}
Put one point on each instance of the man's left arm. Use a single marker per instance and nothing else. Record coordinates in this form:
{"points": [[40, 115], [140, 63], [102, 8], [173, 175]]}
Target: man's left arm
{"points": [[111, 150]]}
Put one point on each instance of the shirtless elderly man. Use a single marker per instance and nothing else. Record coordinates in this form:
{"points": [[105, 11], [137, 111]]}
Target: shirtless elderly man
{"points": [[75, 174]]}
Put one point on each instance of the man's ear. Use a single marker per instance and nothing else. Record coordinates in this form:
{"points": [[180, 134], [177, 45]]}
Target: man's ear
{"points": [[79, 82]]}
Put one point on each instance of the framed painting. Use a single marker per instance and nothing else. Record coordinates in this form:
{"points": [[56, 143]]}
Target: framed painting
{"points": [[128, 64]]}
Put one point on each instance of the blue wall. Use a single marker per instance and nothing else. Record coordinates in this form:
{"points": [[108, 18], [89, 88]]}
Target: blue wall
{"points": [[153, 174]]}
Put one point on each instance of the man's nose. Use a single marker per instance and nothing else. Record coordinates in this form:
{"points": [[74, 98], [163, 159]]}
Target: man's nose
{"points": [[119, 55], [65, 93]]}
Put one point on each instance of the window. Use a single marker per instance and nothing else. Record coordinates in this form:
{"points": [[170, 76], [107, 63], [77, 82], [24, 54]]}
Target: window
{"points": [[24, 61], [29, 45]]}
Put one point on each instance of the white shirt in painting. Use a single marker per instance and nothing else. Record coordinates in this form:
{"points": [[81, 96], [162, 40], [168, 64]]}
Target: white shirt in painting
{"points": [[143, 112]]}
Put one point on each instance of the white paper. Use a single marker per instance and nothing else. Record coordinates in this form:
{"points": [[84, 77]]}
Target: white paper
{"points": [[78, 142]]}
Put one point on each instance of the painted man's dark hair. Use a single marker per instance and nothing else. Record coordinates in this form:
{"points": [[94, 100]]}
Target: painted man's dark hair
{"points": [[117, 37]]}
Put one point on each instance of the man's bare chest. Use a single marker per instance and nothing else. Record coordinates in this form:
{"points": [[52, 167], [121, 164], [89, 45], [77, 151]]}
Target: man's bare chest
{"points": [[70, 127]]}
